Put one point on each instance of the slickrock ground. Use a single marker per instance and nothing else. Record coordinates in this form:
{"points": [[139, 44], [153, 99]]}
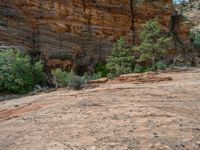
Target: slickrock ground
{"points": [[120, 116]]}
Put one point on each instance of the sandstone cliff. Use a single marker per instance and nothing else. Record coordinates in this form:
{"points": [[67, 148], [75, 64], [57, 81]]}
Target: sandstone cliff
{"points": [[81, 31]]}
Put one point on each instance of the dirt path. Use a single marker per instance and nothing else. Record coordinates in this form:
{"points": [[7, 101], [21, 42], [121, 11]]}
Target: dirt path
{"points": [[119, 116]]}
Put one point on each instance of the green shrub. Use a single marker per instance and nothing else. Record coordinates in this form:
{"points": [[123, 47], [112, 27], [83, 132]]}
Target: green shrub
{"points": [[141, 69], [18, 74], [94, 76], [61, 77], [153, 44], [98, 75], [197, 41], [120, 61], [158, 66], [75, 82], [100, 69], [195, 36], [68, 79], [161, 65]]}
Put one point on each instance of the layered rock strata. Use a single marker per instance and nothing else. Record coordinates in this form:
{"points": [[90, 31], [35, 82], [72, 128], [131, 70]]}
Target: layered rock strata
{"points": [[80, 31]]}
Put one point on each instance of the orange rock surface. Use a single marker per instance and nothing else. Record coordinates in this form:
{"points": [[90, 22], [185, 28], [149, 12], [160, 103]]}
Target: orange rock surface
{"points": [[80, 30]]}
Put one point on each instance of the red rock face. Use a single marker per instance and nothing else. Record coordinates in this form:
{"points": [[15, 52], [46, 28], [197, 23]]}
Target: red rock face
{"points": [[79, 30]]}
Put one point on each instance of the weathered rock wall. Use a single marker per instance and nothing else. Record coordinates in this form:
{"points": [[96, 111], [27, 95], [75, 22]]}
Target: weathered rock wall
{"points": [[80, 30]]}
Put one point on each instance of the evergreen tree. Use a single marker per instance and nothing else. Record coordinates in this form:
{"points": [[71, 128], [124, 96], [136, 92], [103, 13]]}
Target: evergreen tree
{"points": [[153, 43], [120, 61]]}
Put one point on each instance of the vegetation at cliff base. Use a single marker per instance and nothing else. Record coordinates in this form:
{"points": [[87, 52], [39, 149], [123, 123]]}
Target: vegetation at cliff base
{"points": [[18, 74], [120, 61], [100, 70], [67, 79], [148, 56], [195, 37], [153, 47]]}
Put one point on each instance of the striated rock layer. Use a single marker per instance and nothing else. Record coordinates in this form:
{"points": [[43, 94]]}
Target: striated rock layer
{"points": [[80, 31]]}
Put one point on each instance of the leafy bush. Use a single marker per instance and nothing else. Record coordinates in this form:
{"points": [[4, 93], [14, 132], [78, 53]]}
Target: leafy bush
{"points": [[75, 82], [100, 69], [158, 66], [197, 41], [195, 37], [161, 65], [18, 74], [140, 69], [68, 79], [98, 75], [94, 76], [61, 77], [120, 61], [153, 44]]}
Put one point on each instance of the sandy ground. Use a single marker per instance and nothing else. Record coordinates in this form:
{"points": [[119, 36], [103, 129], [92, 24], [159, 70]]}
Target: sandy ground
{"points": [[111, 116]]}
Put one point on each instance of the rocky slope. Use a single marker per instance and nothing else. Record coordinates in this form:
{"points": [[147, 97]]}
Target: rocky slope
{"points": [[192, 12], [118, 115], [79, 31]]}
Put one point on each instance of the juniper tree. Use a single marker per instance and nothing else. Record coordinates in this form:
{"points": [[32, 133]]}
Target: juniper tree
{"points": [[153, 43], [120, 61]]}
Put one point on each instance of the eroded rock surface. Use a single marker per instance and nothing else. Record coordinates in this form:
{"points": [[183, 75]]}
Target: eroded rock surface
{"points": [[81, 31], [120, 116]]}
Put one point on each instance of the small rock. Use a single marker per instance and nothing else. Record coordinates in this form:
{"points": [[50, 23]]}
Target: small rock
{"points": [[102, 80], [156, 135], [180, 145], [159, 146]]}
